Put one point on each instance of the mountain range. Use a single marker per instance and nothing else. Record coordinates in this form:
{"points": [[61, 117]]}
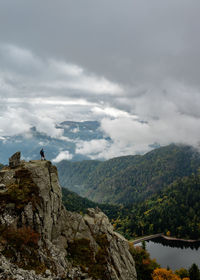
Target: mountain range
{"points": [[129, 179], [30, 143]]}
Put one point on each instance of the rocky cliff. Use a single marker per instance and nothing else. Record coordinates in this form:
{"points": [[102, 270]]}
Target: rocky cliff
{"points": [[39, 239]]}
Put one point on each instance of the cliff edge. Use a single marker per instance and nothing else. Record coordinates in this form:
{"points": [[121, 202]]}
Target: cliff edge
{"points": [[39, 239]]}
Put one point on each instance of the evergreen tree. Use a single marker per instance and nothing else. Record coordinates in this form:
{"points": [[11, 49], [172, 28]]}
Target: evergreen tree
{"points": [[194, 272]]}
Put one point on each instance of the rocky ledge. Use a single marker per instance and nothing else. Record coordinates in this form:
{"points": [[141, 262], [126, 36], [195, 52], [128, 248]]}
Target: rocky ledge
{"points": [[39, 239]]}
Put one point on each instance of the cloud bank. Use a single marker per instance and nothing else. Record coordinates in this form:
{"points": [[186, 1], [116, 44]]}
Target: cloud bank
{"points": [[134, 66]]}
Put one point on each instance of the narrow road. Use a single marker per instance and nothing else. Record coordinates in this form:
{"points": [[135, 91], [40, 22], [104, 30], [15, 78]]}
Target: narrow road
{"points": [[136, 241]]}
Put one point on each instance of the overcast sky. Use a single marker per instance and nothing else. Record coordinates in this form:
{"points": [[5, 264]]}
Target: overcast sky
{"points": [[134, 65]]}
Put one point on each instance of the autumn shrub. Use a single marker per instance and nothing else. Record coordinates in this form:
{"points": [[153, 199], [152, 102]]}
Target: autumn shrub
{"points": [[182, 273], [143, 263], [20, 245], [164, 274], [18, 237]]}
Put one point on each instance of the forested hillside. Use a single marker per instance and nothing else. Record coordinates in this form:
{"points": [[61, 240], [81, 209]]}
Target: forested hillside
{"points": [[75, 203], [72, 175], [175, 211], [129, 179]]}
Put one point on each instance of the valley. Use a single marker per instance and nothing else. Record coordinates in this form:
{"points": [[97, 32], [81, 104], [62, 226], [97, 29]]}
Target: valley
{"points": [[157, 192]]}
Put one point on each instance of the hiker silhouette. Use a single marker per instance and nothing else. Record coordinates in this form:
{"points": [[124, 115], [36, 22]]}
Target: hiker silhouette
{"points": [[42, 155]]}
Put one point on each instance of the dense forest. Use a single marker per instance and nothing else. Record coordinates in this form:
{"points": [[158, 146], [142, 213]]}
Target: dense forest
{"points": [[130, 179], [172, 207], [75, 203], [174, 211]]}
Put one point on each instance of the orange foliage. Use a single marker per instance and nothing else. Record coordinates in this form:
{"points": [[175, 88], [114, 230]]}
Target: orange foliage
{"points": [[21, 236], [164, 274]]}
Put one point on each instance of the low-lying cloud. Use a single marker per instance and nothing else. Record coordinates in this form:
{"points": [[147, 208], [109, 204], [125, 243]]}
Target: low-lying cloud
{"points": [[63, 155], [43, 92]]}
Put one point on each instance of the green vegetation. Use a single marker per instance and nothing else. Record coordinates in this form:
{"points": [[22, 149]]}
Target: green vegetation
{"points": [[75, 203], [81, 253], [72, 175], [194, 272], [143, 263], [21, 192], [182, 273], [129, 179], [148, 269], [174, 211], [160, 191]]}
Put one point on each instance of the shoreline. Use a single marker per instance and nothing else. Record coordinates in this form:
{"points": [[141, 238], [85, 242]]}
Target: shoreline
{"points": [[168, 238], [145, 238], [179, 239]]}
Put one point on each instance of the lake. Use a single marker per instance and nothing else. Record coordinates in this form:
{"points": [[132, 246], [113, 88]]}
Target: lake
{"points": [[174, 254]]}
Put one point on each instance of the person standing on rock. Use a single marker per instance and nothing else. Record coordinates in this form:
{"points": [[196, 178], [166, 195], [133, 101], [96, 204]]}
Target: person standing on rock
{"points": [[42, 155]]}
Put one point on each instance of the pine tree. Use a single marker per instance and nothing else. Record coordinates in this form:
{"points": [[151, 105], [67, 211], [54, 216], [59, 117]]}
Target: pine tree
{"points": [[194, 272]]}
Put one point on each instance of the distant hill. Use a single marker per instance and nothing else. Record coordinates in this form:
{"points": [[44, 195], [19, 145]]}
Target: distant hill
{"points": [[75, 203], [129, 179]]}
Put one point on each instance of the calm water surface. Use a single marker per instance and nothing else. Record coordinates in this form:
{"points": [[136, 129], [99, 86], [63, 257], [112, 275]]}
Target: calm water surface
{"points": [[174, 254]]}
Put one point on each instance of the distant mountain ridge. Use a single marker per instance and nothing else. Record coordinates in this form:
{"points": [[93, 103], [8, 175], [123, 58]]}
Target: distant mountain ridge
{"points": [[32, 141], [129, 179]]}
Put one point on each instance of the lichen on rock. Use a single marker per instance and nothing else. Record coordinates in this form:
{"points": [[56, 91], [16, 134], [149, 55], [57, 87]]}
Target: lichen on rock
{"points": [[39, 239]]}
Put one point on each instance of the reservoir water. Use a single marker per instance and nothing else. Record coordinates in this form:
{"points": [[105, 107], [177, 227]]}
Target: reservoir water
{"points": [[174, 254]]}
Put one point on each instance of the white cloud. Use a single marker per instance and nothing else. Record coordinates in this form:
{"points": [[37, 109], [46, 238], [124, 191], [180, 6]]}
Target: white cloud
{"points": [[66, 69], [95, 85], [130, 136], [92, 148], [19, 60], [44, 92], [111, 111], [64, 155], [75, 130], [73, 77]]}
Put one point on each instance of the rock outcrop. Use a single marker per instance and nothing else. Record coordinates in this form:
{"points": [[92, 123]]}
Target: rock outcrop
{"points": [[14, 160], [39, 239]]}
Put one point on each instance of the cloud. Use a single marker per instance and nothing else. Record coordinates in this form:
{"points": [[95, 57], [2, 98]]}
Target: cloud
{"points": [[93, 149], [43, 92], [110, 111], [64, 155], [134, 117], [126, 65], [130, 136]]}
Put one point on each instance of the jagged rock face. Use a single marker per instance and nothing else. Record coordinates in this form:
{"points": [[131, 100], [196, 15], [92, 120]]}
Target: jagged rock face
{"points": [[39, 238], [14, 160]]}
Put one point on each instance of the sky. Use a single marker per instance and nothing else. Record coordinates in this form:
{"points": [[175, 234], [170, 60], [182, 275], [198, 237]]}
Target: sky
{"points": [[133, 65]]}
